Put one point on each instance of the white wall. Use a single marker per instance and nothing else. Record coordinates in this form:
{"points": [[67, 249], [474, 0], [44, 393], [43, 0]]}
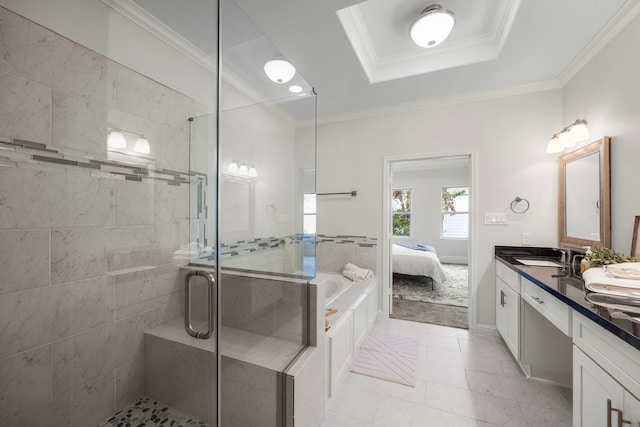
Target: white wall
{"points": [[426, 220], [508, 137], [606, 93]]}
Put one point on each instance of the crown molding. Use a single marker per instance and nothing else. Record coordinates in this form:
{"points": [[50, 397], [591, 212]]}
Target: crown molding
{"points": [[629, 10], [159, 29], [166, 34], [444, 101]]}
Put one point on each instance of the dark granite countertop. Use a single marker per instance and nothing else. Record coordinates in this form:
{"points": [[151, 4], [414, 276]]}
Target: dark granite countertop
{"points": [[618, 315]]}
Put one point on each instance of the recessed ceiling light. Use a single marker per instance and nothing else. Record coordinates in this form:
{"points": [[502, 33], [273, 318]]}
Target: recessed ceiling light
{"points": [[433, 26], [279, 70], [295, 89]]}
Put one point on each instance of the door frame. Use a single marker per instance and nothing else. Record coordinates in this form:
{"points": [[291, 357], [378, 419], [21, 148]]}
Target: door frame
{"points": [[387, 233]]}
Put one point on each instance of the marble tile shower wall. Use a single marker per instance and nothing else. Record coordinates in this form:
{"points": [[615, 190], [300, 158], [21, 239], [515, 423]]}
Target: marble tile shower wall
{"points": [[334, 252], [86, 259]]}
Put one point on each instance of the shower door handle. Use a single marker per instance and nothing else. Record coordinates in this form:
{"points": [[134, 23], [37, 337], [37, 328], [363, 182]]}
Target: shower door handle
{"points": [[211, 303]]}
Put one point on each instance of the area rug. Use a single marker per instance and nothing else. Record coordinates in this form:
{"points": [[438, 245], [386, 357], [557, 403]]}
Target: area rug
{"points": [[388, 357], [454, 291], [427, 312]]}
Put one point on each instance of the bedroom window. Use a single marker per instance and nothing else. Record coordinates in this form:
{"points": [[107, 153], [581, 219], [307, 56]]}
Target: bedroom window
{"points": [[401, 209], [455, 212]]}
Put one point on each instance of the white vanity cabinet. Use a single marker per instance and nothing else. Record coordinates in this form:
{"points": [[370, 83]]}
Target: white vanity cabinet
{"points": [[550, 307], [508, 307], [606, 377]]}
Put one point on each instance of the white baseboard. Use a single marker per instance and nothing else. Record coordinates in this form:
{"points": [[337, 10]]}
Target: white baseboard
{"points": [[454, 259], [487, 330]]}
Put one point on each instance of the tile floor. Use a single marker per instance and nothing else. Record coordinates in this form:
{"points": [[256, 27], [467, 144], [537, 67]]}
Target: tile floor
{"points": [[147, 412], [462, 380]]}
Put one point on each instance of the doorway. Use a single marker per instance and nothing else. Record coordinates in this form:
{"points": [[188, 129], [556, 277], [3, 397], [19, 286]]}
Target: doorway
{"points": [[427, 245]]}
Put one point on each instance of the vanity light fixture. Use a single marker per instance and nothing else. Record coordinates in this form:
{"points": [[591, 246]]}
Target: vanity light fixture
{"points": [[433, 26], [241, 169], [233, 167], [279, 70], [116, 140], [568, 137], [142, 146]]}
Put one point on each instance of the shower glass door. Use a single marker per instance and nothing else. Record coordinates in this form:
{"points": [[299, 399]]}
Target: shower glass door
{"points": [[266, 164]]}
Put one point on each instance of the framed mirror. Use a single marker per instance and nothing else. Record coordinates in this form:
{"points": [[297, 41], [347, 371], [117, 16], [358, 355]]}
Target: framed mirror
{"points": [[584, 214]]}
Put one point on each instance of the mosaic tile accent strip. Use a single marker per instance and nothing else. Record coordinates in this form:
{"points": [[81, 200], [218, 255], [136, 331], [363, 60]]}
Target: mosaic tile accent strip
{"points": [[243, 247], [17, 152], [147, 412], [362, 241]]}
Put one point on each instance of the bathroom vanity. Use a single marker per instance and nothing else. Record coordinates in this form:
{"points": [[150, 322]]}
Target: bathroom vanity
{"points": [[559, 333]]}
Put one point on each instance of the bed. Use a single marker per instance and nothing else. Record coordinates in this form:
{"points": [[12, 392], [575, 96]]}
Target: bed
{"points": [[412, 262]]}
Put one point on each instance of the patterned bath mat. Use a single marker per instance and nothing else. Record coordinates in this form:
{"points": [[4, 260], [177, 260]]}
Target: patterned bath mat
{"points": [[388, 357]]}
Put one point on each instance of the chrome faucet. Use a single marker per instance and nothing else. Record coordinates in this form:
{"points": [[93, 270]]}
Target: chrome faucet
{"points": [[563, 258]]}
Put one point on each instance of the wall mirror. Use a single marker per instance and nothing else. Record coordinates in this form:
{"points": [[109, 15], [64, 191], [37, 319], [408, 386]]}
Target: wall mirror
{"points": [[585, 196]]}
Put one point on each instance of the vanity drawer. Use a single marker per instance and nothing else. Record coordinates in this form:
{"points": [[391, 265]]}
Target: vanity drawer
{"points": [[549, 306], [509, 276]]}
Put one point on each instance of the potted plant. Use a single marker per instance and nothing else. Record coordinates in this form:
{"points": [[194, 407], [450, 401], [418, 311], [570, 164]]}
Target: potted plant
{"points": [[601, 256]]}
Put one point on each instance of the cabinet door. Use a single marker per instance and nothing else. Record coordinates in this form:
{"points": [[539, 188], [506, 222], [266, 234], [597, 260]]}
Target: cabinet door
{"points": [[501, 308], [631, 409], [508, 316], [594, 392], [512, 302]]}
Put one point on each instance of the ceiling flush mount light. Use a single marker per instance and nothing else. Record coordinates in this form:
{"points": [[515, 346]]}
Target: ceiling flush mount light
{"points": [[279, 70], [295, 89], [433, 26], [568, 137]]}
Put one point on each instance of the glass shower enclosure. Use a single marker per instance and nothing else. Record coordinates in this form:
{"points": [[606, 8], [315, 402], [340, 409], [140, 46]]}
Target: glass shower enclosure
{"points": [[155, 249]]}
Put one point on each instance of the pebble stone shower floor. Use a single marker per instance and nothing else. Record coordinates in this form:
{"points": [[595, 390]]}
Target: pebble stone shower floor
{"points": [[147, 412]]}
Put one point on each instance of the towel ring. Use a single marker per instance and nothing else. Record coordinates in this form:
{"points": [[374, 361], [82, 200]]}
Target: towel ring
{"points": [[515, 203]]}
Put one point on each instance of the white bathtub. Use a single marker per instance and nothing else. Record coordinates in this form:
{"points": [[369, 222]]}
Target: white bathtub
{"points": [[335, 285]]}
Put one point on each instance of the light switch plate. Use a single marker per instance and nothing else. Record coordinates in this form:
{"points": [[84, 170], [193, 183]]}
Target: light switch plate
{"points": [[495, 219]]}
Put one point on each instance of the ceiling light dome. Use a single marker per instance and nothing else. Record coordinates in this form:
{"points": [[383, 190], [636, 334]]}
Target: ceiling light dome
{"points": [[279, 70], [433, 26]]}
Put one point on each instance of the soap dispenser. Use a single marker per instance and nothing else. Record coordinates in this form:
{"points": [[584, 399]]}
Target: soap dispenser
{"points": [[584, 264]]}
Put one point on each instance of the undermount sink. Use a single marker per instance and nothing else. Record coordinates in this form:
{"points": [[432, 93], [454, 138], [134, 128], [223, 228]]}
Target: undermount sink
{"points": [[539, 262]]}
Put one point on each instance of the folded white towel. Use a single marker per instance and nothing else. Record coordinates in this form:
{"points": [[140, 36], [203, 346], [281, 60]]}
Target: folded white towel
{"points": [[605, 281], [350, 274], [356, 273]]}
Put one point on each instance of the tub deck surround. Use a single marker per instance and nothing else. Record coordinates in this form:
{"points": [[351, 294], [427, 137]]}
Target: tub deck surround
{"points": [[570, 290], [347, 298]]}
